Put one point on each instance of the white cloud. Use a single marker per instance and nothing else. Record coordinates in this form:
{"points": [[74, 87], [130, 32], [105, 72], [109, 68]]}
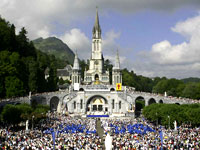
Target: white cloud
{"points": [[180, 60], [109, 44], [78, 41], [188, 28], [36, 15], [44, 32], [112, 58]]}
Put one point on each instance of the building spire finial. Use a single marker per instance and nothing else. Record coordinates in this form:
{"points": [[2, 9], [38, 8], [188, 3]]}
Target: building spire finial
{"points": [[117, 61], [96, 24], [76, 62]]}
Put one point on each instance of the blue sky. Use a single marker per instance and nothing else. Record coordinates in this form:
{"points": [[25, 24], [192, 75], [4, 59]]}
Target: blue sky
{"points": [[154, 37]]}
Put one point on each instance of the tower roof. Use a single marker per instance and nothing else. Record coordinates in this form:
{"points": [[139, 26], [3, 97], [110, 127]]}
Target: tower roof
{"points": [[117, 62], [76, 63], [96, 24]]}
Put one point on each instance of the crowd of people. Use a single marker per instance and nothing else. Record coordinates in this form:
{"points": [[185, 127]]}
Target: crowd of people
{"points": [[81, 139], [184, 138], [37, 139]]}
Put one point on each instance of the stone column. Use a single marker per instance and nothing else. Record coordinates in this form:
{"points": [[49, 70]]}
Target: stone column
{"points": [[146, 102]]}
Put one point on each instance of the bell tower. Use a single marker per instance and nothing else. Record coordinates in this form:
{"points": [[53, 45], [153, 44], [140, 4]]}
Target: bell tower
{"points": [[96, 62], [116, 72], [96, 39], [96, 70], [76, 74]]}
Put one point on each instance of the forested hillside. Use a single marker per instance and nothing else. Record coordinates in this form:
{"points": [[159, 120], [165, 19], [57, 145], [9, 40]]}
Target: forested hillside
{"points": [[56, 47], [173, 87], [21, 65]]}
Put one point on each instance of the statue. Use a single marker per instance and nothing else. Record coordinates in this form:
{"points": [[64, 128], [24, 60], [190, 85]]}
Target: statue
{"points": [[26, 125], [108, 142], [175, 125], [165, 94]]}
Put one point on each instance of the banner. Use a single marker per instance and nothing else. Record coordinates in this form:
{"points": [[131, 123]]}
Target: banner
{"points": [[118, 86], [161, 139], [53, 137], [76, 86]]}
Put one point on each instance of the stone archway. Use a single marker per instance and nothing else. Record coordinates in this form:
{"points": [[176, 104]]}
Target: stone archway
{"points": [[161, 101], [96, 77], [81, 89], [151, 101], [96, 105], [112, 89], [177, 103], [54, 103], [139, 105]]}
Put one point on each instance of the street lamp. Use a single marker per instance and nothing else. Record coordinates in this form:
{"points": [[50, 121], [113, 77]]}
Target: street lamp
{"points": [[32, 121], [169, 122]]}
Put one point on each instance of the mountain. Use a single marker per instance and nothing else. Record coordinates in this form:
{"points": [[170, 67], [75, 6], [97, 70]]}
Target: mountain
{"points": [[191, 79], [55, 46]]}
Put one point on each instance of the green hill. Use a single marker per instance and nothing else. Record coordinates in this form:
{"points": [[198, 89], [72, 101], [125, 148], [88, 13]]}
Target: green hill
{"points": [[191, 79], [55, 46]]}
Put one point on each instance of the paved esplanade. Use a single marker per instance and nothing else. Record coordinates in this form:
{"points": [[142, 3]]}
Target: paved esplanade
{"points": [[100, 132]]}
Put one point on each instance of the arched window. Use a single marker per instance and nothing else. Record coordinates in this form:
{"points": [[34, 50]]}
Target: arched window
{"points": [[120, 104], [75, 79], [81, 104], [74, 105], [97, 45], [113, 104]]}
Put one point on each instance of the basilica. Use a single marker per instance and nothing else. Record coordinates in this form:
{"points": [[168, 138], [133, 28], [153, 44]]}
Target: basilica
{"points": [[96, 94]]}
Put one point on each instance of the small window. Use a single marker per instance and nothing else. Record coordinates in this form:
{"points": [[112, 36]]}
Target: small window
{"points": [[74, 105], [94, 107], [120, 105], [113, 104], [81, 104]]}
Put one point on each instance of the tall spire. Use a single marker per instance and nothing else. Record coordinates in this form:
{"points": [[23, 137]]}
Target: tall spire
{"points": [[117, 62], [76, 62], [97, 27]]}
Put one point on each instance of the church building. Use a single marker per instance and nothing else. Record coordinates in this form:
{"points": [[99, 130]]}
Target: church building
{"points": [[94, 94]]}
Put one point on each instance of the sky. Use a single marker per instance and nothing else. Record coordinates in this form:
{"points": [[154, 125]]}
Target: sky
{"points": [[153, 37]]}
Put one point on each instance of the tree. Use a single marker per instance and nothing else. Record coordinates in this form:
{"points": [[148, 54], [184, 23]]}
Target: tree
{"points": [[14, 114], [14, 86], [192, 90], [33, 76], [168, 85], [108, 66], [83, 67], [180, 113], [52, 79], [25, 110], [11, 114], [4, 34], [20, 60]]}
